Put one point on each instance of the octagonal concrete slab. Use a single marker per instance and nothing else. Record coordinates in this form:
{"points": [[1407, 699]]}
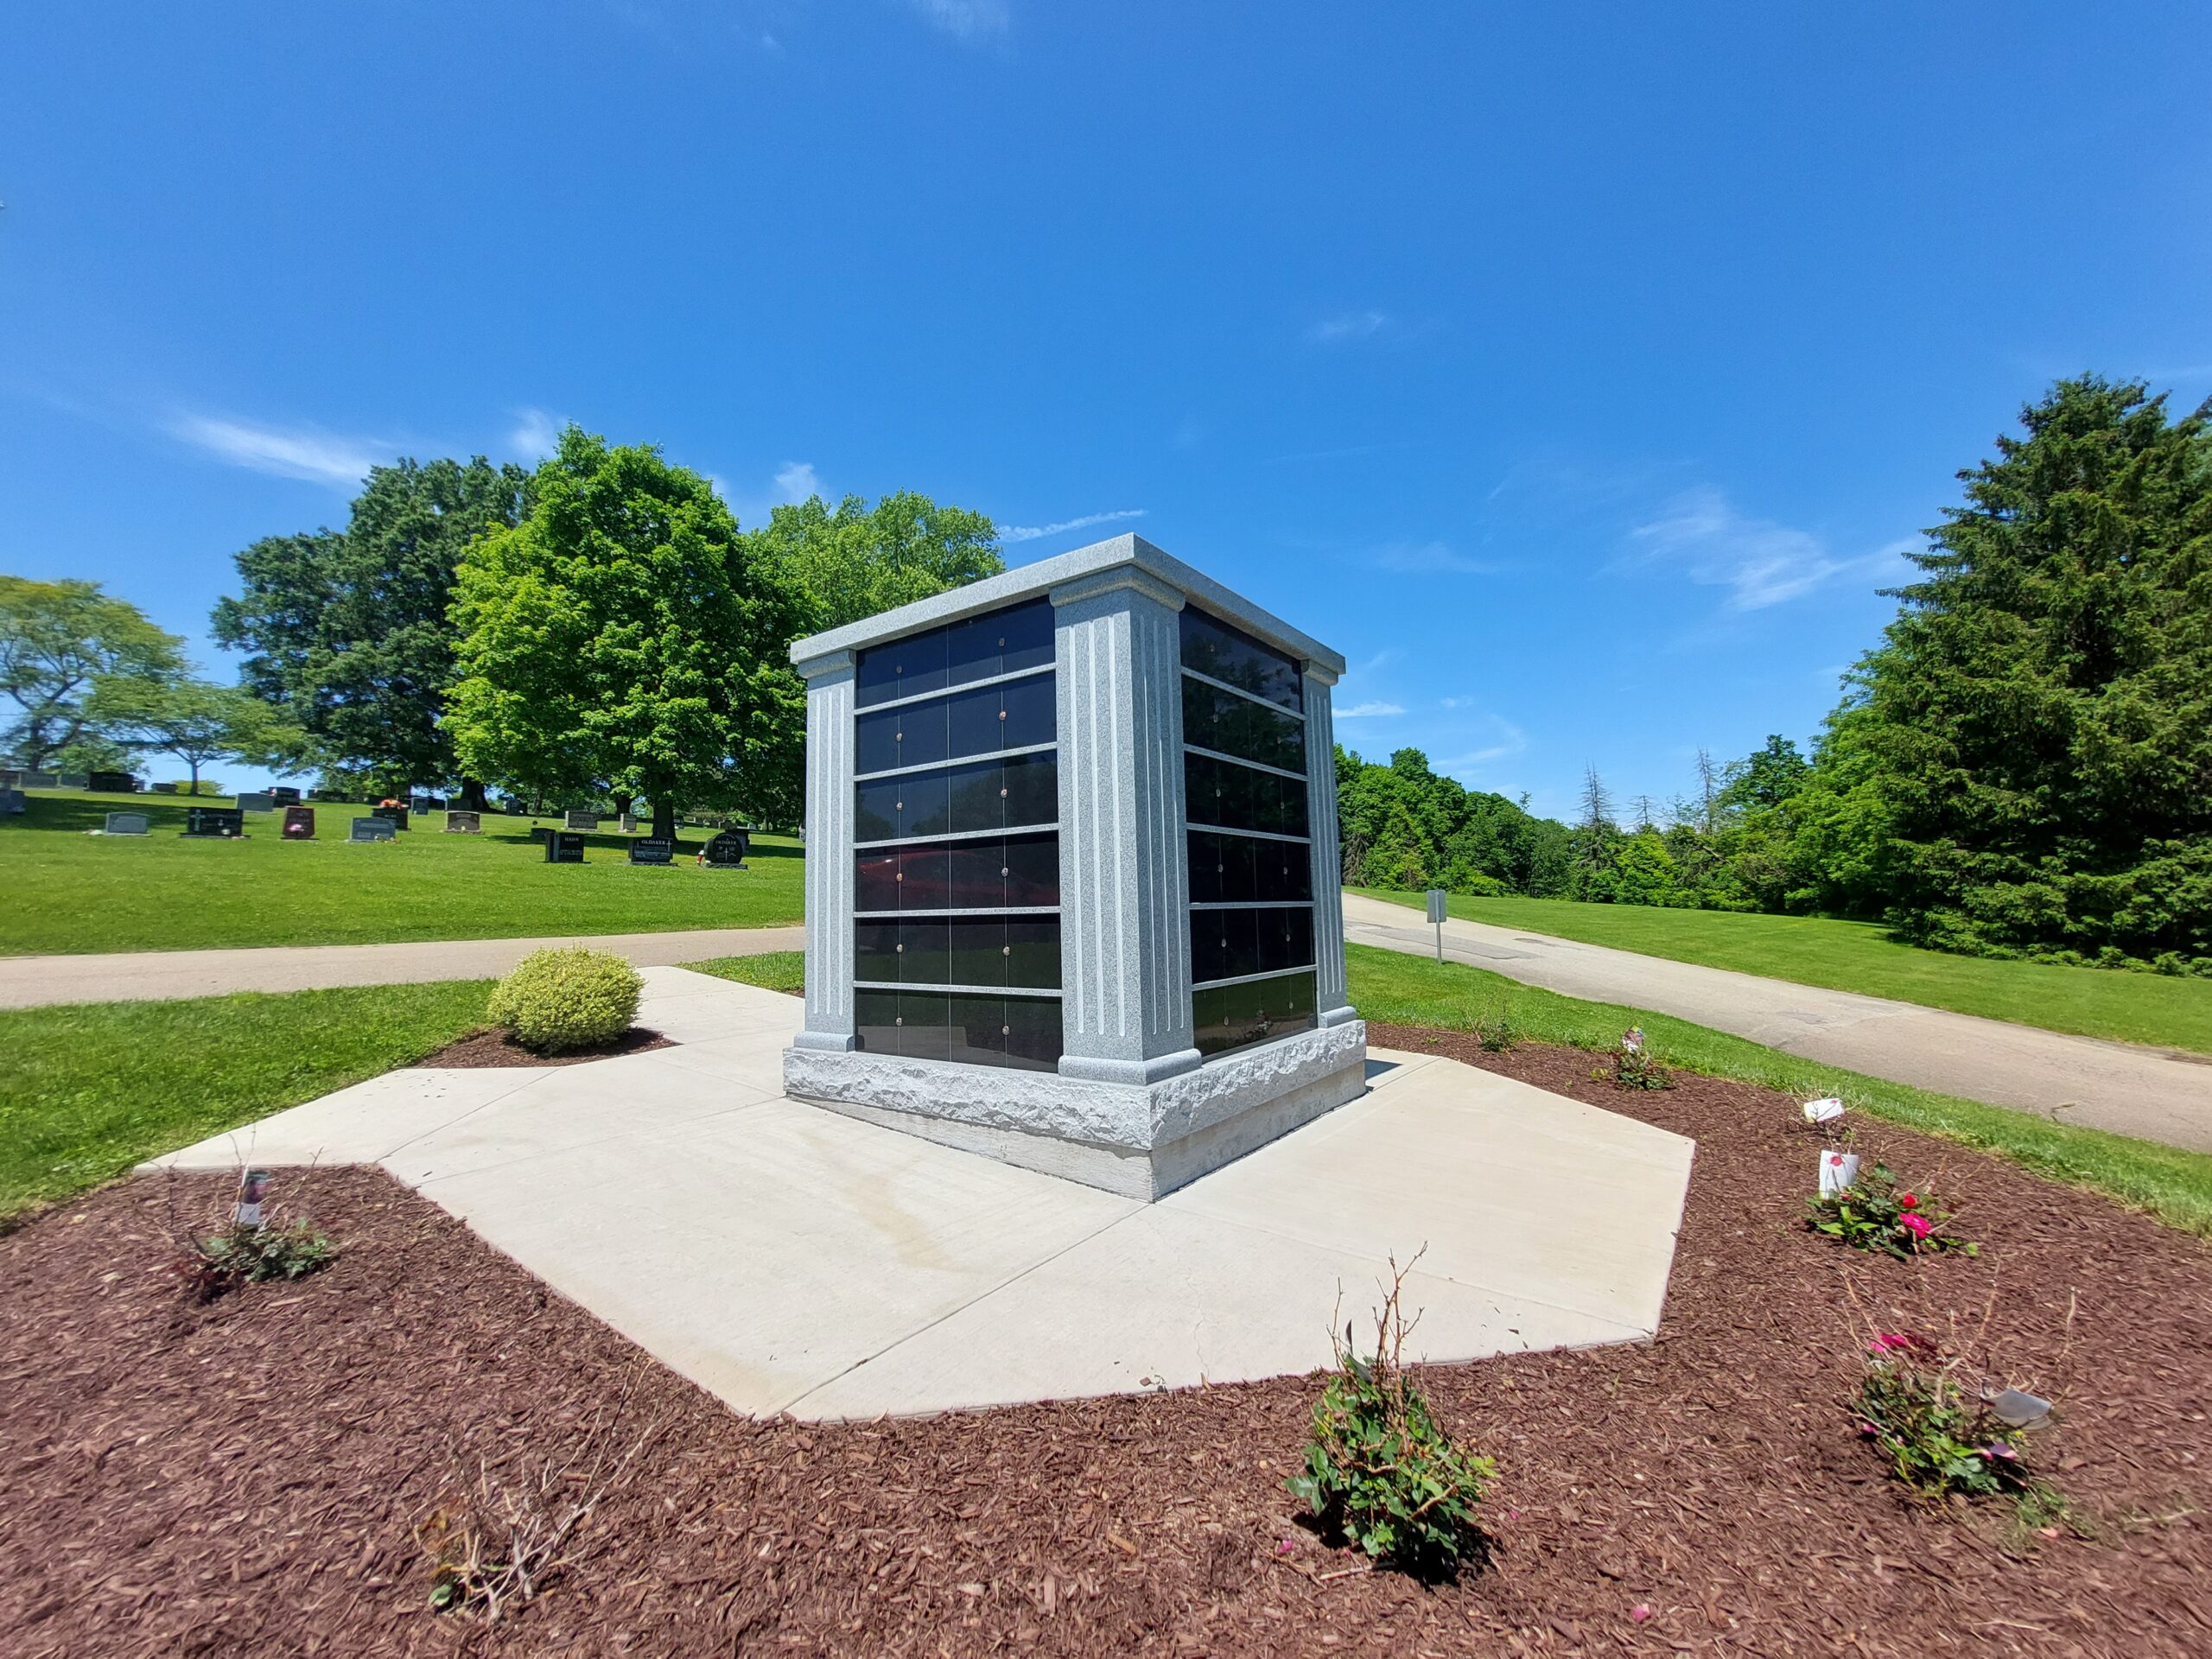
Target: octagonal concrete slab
{"points": [[792, 1259]]}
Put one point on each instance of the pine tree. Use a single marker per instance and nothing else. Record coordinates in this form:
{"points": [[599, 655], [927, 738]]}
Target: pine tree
{"points": [[2037, 726]]}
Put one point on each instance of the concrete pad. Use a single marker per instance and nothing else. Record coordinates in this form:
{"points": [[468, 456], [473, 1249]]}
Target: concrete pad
{"points": [[570, 1106], [789, 1258], [1510, 1187], [763, 1252], [357, 1125], [1168, 1299]]}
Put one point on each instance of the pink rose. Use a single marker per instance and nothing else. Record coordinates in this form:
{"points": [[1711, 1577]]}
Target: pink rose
{"points": [[1916, 1225]]}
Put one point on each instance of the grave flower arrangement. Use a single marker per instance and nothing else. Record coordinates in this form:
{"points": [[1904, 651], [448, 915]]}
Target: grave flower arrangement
{"points": [[1633, 1066], [1872, 1213], [1936, 1430]]}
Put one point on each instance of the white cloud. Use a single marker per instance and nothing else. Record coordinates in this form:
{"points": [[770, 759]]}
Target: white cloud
{"points": [[1759, 562], [1427, 559], [1351, 325], [967, 20], [536, 434], [1499, 739], [1369, 710], [1032, 533], [795, 481], [303, 452], [1457, 702]]}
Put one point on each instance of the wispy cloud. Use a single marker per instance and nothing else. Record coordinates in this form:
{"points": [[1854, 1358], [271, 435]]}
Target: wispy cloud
{"points": [[1371, 710], [535, 435], [1759, 562], [1348, 327], [967, 20], [796, 480], [1032, 533], [302, 452], [1427, 559], [1497, 737]]}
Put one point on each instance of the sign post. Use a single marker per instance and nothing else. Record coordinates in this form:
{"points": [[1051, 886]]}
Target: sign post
{"points": [[1436, 896]]}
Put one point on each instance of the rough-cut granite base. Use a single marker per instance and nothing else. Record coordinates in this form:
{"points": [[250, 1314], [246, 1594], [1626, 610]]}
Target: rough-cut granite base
{"points": [[1139, 1140]]}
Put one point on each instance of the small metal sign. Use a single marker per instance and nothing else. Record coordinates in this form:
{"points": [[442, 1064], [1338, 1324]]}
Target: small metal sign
{"points": [[1437, 898]]}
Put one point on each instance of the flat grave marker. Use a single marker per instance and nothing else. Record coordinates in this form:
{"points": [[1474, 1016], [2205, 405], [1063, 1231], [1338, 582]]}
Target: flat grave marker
{"points": [[375, 829], [462, 821], [582, 821], [652, 849], [127, 823], [299, 823], [260, 802], [562, 848], [395, 815], [215, 822], [727, 851]]}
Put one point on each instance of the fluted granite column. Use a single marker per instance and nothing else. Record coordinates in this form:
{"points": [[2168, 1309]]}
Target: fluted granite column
{"points": [[1125, 934], [828, 852], [1331, 1004]]}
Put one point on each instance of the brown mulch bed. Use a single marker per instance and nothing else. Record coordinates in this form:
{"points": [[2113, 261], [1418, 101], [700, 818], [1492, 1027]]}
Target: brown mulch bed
{"points": [[245, 1476], [495, 1047]]}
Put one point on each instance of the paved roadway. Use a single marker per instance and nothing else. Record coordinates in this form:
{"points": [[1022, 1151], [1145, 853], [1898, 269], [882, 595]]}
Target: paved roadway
{"points": [[2156, 1094], [161, 976]]}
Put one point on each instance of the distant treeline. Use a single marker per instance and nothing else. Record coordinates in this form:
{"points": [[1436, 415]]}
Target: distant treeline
{"points": [[2022, 768]]}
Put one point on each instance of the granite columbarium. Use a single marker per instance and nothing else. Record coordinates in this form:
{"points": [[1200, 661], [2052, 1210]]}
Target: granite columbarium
{"points": [[1073, 879]]}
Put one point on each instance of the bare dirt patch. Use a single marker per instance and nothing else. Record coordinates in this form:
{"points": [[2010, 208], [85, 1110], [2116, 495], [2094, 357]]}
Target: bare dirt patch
{"points": [[493, 1047], [249, 1476]]}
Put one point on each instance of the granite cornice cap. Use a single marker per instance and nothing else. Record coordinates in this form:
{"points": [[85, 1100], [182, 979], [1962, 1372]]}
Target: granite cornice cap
{"points": [[1064, 570]]}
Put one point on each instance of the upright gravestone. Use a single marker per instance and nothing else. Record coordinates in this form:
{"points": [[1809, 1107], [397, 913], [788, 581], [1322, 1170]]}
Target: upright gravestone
{"points": [[127, 823], [375, 827], [460, 821], [161, 789], [578, 820], [13, 801], [258, 802], [562, 848], [299, 823], [396, 816], [726, 851], [41, 780], [114, 783], [629, 823], [215, 822], [424, 803], [11, 777], [73, 780], [651, 849], [285, 795]]}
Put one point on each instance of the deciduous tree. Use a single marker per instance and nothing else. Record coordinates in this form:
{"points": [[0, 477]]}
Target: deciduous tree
{"points": [[57, 639]]}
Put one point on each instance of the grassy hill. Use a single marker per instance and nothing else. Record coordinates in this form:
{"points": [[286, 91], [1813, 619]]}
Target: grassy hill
{"points": [[69, 891]]}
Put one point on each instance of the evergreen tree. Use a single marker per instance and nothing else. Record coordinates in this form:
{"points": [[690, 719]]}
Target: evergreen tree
{"points": [[2036, 731]]}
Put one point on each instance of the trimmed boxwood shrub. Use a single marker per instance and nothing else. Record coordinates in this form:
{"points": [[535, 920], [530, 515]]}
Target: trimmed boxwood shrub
{"points": [[559, 1001]]}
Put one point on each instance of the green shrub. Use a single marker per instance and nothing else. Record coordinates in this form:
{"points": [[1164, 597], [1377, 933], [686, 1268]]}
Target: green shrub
{"points": [[1872, 1214], [1932, 1427], [243, 1255], [1381, 1471], [558, 1000]]}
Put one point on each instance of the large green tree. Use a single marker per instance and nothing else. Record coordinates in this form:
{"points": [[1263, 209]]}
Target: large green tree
{"points": [[624, 637], [194, 720], [855, 561], [57, 639], [2035, 733], [349, 631]]}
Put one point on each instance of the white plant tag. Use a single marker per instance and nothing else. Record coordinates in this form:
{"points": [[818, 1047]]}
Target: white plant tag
{"points": [[1838, 1171], [252, 1191], [1825, 1110]]}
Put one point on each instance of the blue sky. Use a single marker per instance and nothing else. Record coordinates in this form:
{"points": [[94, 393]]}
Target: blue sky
{"points": [[1577, 370]]}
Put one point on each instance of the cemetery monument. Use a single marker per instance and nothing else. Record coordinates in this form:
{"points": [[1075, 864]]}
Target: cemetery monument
{"points": [[1072, 883]]}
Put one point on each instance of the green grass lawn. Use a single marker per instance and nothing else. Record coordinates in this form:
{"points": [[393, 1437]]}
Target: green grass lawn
{"points": [[67, 891], [2174, 1185], [776, 970], [89, 1089], [1861, 956]]}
